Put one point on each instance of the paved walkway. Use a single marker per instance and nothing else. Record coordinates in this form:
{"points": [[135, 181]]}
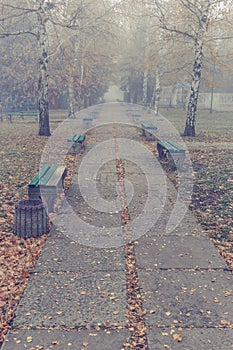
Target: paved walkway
{"points": [[113, 274]]}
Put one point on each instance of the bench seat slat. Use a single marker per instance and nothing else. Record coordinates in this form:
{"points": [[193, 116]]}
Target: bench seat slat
{"points": [[76, 137], [44, 180], [57, 176], [177, 147], [171, 147], [81, 138], [149, 126], [39, 175], [71, 138]]}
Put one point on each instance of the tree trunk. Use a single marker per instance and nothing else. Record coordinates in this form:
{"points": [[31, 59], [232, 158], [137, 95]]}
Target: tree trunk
{"points": [[145, 87], [71, 113], [193, 99], [156, 94], [197, 68], [1, 113], [44, 129]]}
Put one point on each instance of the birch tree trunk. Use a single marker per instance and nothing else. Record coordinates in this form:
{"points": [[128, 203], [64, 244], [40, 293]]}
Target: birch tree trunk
{"points": [[197, 68], [44, 129], [73, 90], [145, 87], [156, 93], [71, 113], [1, 113], [195, 85]]}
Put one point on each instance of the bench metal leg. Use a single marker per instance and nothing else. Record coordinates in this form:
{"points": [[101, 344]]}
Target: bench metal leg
{"points": [[75, 148], [149, 136], [161, 151], [50, 200], [175, 161]]}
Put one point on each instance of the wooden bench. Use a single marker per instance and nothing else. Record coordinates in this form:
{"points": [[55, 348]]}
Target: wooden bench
{"points": [[94, 114], [148, 130], [46, 184], [87, 122], [22, 114], [174, 153], [136, 117], [76, 143], [129, 111]]}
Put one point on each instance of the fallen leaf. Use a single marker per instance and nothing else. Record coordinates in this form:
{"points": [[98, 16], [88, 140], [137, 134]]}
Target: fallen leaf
{"points": [[177, 337], [29, 339]]}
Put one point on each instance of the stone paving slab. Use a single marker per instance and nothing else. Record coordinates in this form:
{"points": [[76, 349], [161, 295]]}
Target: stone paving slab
{"points": [[190, 339], [96, 218], [66, 340], [91, 229], [160, 214], [100, 211], [187, 226], [95, 160], [63, 254], [73, 300], [101, 170], [133, 166], [80, 197], [187, 298], [177, 252]]}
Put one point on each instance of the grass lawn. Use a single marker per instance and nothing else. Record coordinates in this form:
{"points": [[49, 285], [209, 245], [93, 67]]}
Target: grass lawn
{"points": [[211, 152]]}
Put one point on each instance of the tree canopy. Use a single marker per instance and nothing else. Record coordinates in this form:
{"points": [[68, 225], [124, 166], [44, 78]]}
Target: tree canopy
{"points": [[56, 49]]}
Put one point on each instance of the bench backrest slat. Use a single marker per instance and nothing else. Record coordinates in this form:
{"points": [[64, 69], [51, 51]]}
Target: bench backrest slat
{"points": [[81, 138]]}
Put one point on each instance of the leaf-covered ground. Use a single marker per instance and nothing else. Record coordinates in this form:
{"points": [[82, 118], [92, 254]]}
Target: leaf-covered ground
{"points": [[20, 156], [21, 149], [213, 196]]}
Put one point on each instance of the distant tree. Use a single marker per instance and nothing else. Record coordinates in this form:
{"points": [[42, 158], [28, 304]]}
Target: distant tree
{"points": [[84, 63]]}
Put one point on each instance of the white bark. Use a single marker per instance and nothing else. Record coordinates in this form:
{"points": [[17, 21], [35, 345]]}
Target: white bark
{"points": [[145, 87], [197, 68], [71, 98], [43, 102], [156, 93]]}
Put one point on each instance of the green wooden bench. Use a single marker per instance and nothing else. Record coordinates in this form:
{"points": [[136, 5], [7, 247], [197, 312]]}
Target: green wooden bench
{"points": [[136, 117], [87, 122], [174, 153], [46, 184], [76, 143], [129, 111], [148, 130], [94, 114], [22, 114]]}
